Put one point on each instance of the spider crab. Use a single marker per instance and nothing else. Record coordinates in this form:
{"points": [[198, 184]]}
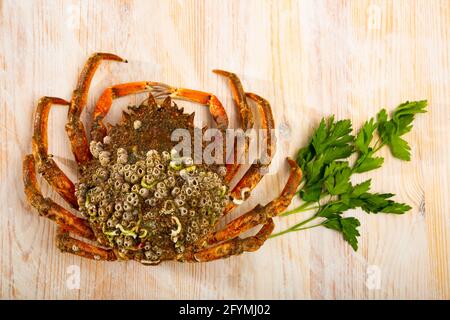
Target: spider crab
{"points": [[139, 199]]}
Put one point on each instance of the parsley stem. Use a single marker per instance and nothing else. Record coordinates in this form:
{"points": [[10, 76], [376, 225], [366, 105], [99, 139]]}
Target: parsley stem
{"points": [[295, 227], [303, 208], [309, 227], [377, 147]]}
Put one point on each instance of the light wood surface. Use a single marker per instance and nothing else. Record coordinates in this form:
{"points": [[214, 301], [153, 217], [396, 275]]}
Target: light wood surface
{"points": [[309, 59]]}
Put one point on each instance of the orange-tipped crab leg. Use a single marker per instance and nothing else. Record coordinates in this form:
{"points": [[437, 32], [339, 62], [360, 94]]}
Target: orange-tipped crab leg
{"points": [[257, 170], [216, 108], [74, 126], [233, 246], [104, 103], [246, 119], [47, 208], [68, 244], [261, 214], [239, 98], [45, 164]]}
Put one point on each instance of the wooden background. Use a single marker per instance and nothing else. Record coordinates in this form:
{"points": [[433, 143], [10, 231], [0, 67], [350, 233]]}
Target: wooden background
{"points": [[310, 59]]}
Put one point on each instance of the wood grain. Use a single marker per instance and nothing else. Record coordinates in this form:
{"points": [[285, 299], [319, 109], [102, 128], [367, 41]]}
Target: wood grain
{"points": [[309, 59]]}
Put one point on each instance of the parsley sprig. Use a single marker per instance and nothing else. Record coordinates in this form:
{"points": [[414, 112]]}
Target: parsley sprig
{"points": [[326, 187]]}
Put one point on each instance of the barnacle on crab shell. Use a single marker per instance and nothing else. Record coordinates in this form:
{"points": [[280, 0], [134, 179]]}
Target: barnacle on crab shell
{"points": [[141, 199], [146, 203]]}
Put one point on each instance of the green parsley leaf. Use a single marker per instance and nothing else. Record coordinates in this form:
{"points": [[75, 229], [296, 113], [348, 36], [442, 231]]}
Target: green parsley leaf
{"points": [[348, 227], [337, 179], [311, 193], [399, 148], [360, 189], [365, 136], [379, 202], [391, 130], [367, 163], [327, 186], [404, 114]]}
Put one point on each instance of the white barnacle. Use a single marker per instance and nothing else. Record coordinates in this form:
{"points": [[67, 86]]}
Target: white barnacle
{"points": [[137, 124], [143, 192], [245, 193], [187, 161], [122, 158], [104, 161], [104, 154], [151, 153], [174, 154], [175, 164], [75, 248], [107, 140], [222, 171], [166, 155], [184, 174], [174, 233], [95, 148]]}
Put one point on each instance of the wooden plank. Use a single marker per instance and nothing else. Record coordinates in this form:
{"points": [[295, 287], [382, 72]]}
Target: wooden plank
{"points": [[309, 59]]}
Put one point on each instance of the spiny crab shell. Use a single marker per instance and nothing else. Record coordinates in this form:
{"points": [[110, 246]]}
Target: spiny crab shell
{"points": [[141, 197]]}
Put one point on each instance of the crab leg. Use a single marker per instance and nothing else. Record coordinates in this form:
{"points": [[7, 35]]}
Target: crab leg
{"points": [[215, 106], [104, 103], [261, 214], [45, 164], [74, 126], [68, 244], [47, 208], [246, 118], [257, 170], [234, 246]]}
